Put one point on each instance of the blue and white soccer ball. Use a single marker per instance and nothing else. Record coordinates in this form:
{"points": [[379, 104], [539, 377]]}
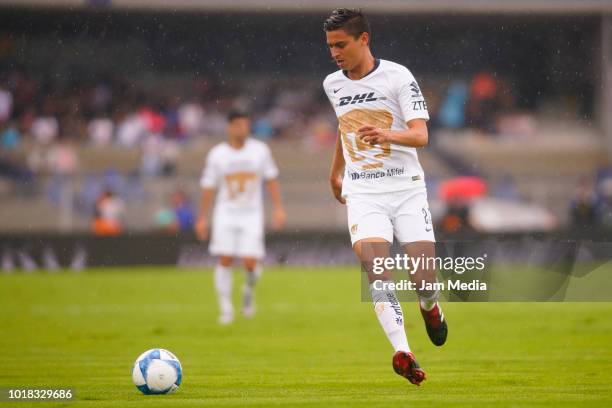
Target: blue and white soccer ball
{"points": [[157, 371]]}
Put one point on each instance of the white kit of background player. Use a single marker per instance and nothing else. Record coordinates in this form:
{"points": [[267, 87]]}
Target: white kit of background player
{"points": [[236, 171]]}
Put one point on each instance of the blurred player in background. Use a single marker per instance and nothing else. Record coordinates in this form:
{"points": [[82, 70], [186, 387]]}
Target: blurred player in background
{"points": [[375, 171], [235, 171]]}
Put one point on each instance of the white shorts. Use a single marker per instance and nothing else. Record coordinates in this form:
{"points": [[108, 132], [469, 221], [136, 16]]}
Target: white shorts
{"points": [[403, 214], [241, 237]]}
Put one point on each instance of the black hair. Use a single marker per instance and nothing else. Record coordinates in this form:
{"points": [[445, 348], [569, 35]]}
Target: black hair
{"points": [[237, 114], [353, 21]]}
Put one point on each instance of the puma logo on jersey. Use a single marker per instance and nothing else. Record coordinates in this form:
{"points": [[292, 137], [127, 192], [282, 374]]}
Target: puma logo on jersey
{"points": [[359, 98], [416, 91]]}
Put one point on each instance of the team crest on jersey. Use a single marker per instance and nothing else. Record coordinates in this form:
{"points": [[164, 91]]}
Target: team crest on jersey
{"points": [[354, 229]]}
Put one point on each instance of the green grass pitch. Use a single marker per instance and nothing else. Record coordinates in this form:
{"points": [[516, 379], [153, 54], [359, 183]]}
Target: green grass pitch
{"points": [[312, 344]]}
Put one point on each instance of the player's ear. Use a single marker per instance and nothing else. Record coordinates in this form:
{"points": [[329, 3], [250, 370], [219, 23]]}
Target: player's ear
{"points": [[364, 38]]}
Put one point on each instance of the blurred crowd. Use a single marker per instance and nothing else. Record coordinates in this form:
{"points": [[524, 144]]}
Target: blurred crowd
{"points": [[158, 119], [51, 119], [64, 88]]}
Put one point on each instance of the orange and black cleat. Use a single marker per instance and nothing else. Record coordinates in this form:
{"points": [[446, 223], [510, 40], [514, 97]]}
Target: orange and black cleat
{"points": [[436, 326], [406, 365]]}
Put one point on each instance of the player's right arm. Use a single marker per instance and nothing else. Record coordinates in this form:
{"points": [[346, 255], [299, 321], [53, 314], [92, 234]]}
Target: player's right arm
{"points": [[209, 183], [337, 170], [202, 225]]}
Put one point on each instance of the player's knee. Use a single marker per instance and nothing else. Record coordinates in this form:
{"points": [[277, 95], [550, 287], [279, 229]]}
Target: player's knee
{"points": [[249, 264], [369, 248], [226, 261]]}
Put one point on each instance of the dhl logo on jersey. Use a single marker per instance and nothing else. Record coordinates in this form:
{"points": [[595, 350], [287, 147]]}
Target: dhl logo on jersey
{"points": [[359, 98]]}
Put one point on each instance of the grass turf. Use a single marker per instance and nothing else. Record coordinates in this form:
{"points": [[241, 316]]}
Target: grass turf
{"points": [[312, 343]]}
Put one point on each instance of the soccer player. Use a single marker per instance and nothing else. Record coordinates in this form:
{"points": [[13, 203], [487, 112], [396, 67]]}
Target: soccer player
{"points": [[382, 120], [236, 171]]}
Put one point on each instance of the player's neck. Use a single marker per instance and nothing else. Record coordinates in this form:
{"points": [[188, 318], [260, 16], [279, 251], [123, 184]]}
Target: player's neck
{"points": [[364, 68], [236, 143]]}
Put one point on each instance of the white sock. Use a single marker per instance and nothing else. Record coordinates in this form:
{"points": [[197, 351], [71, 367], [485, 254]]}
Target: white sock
{"points": [[428, 303], [251, 279], [391, 318], [223, 286]]}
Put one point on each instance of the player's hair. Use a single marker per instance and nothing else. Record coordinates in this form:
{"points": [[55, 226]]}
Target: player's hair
{"points": [[237, 114], [353, 21]]}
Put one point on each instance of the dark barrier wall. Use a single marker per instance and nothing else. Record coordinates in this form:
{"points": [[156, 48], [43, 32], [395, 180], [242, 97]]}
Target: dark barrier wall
{"points": [[77, 251]]}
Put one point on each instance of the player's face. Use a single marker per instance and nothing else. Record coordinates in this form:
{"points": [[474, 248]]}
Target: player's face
{"points": [[346, 50], [239, 129]]}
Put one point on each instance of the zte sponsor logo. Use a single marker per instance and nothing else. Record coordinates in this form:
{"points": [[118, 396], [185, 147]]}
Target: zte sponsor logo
{"points": [[359, 98], [419, 105]]}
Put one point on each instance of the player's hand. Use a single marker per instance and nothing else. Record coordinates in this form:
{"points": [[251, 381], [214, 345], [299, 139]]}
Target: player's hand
{"points": [[278, 219], [336, 186], [201, 229], [373, 135]]}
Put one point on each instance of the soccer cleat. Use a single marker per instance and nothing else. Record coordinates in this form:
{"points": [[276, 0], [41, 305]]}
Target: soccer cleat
{"points": [[248, 312], [227, 313], [226, 318], [436, 326], [406, 365]]}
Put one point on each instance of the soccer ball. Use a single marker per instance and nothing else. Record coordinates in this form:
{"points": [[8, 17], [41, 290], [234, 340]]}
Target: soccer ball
{"points": [[157, 371]]}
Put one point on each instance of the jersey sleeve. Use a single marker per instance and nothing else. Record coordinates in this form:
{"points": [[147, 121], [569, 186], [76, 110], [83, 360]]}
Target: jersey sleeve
{"points": [[210, 174], [326, 91], [270, 171], [411, 99]]}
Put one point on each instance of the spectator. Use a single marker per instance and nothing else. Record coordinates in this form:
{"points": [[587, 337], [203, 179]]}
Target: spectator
{"points": [[583, 210], [6, 105], [107, 216], [191, 118], [183, 211], [165, 220], [177, 218], [100, 131], [130, 130], [452, 112], [456, 217], [45, 129], [483, 105], [10, 137], [62, 158]]}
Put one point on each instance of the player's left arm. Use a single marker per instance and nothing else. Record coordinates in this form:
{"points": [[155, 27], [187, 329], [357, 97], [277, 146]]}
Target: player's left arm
{"points": [[278, 214], [270, 174], [415, 136]]}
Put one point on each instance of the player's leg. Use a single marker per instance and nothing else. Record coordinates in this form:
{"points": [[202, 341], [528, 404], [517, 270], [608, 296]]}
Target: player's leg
{"points": [[387, 307], [371, 236], [253, 270], [435, 323], [222, 245], [414, 229], [251, 248], [223, 287]]}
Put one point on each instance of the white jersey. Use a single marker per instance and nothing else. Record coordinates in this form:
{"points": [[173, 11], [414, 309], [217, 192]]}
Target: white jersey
{"points": [[386, 98], [238, 175]]}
